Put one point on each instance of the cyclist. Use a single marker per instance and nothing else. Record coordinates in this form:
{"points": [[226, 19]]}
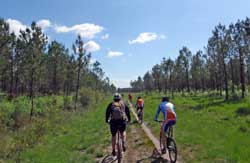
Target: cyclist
{"points": [[130, 97], [168, 110], [139, 105], [118, 113]]}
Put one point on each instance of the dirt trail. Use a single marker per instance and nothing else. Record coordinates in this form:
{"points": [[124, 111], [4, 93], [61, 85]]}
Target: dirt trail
{"points": [[141, 147], [154, 140]]}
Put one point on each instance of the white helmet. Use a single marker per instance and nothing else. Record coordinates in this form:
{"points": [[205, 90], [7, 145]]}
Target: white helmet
{"points": [[117, 96]]}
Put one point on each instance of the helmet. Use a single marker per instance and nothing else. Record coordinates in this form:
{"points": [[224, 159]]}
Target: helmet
{"points": [[165, 99], [117, 96]]}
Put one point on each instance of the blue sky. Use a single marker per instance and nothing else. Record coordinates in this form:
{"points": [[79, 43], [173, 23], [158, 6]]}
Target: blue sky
{"points": [[136, 34]]}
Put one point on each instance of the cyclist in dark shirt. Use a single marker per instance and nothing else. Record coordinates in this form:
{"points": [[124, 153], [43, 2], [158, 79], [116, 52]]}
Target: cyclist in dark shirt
{"points": [[117, 114]]}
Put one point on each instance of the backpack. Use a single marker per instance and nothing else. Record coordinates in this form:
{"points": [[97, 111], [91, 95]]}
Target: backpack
{"points": [[140, 103], [118, 111]]}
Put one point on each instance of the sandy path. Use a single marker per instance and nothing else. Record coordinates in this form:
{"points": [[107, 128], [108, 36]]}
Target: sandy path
{"points": [[141, 147], [153, 138]]}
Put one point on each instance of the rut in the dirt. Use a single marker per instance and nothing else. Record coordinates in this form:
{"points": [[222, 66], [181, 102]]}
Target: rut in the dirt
{"points": [[139, 146]]}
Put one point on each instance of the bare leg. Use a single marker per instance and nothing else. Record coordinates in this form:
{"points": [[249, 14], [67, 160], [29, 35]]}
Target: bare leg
{"points": [[124, 136], [163, 139], [172, 131], [124, 141]]}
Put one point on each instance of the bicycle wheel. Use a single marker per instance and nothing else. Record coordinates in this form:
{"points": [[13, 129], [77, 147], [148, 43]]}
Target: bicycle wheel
{"points": [[172, 149], [119, 147], [139, 117]]}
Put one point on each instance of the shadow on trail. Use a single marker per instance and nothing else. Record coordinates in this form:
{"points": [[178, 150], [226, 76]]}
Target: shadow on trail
{"points": [[108, 159], [154, 158]]}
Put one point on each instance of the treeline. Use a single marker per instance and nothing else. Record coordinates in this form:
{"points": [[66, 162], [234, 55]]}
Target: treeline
{"points": [[30, 65], [223, 65]]}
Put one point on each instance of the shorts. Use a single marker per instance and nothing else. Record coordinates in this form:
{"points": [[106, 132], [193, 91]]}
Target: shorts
{"points": [[141, 108], [165, 125], [117, 125]]}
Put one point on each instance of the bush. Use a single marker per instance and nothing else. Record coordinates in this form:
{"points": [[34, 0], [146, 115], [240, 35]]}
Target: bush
{"points": [[67, 102], [243, 111], [87, 97]]}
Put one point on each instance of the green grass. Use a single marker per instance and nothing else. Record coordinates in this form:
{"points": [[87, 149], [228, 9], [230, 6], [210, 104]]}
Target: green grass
{"points": [[79, 139], [59, 136], [208, 129]]}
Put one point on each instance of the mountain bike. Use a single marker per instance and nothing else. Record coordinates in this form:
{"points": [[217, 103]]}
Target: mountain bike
{"points": [[170, 144], [119, 146], [140, 115]]}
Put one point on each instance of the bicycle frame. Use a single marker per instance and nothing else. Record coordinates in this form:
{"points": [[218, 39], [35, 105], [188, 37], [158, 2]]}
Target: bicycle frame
{"points": [[140, 115], [169, 142], [119, 146]]}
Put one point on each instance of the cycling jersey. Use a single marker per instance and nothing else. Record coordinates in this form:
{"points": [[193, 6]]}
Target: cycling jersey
{"points": [[168, 111], [139, 104], [109, 111]]}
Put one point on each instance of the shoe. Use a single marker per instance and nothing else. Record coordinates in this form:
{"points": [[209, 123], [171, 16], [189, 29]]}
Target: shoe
{"points": [[123, 147], [163, 151], [113, 153]]}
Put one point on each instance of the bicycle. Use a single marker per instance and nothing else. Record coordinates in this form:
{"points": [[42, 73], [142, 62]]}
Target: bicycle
{"points": [[170, 144], [118, 145], [140, 115]]}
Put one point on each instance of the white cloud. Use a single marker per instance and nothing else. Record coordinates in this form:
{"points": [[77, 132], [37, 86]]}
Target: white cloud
{"points": [[106, 36], [92, 46], [112, 54], [86, 30], [44, 23], [16, 26], [146, 37]]}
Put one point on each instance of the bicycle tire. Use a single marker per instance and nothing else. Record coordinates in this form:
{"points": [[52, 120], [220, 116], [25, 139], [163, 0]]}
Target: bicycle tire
{"points": [[140, 115], [172, 149], [119, 148]]}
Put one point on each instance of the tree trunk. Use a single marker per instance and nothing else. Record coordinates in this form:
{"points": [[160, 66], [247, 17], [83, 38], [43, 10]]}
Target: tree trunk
{"points": [[65, 98], [16, 82], [242, 77], [158, 85], [78, 82], [166, 85], [55, 79], [232, 76], [225, 79], [11, 76], [32, 93], [187, 78]]}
